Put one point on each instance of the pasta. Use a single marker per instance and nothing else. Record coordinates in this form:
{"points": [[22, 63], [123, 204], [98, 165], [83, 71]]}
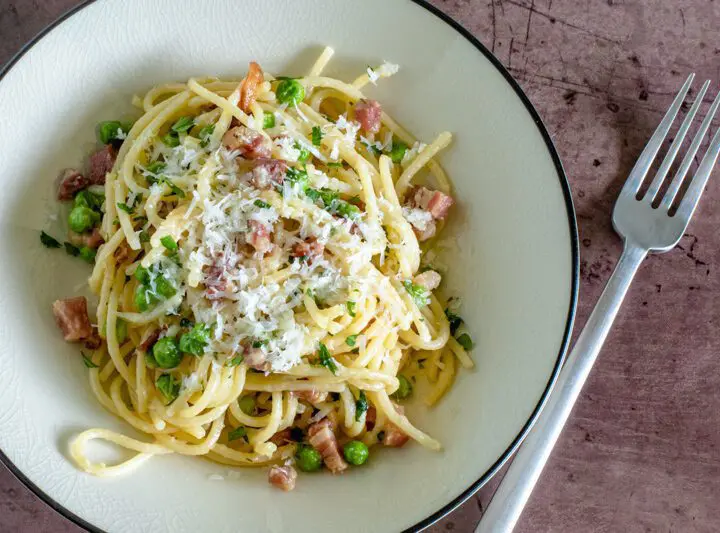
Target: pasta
{"points": [[263, 297]]}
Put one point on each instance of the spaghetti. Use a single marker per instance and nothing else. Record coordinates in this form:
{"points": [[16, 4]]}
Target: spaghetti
{"points": [[263, 294]]}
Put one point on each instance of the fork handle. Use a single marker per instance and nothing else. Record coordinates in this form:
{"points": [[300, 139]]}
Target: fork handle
{"points": [[514, 491]]}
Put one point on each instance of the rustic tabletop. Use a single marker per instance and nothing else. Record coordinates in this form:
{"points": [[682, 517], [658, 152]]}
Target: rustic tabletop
{"points": [[641, 452]]}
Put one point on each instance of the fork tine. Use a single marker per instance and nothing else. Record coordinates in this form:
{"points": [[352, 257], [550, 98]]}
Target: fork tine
{"points": [[677, 180], [699, 180], [644, 162], [675, 146]]}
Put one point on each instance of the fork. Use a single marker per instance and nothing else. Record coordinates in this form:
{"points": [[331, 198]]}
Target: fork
{"points": [[647, 224]]}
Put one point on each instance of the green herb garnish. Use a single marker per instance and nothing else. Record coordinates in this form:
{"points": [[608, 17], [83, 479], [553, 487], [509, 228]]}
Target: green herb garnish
{"points": [[350, 341], [398, 151], [112, 130], [418, 293], [205, 134], [317, 136], [237, 433], [169, 387], [454, 320], [183, 124], [88, 362], [71, 249], [326, 359], [48, 241], [361, 405], [196, 340]]}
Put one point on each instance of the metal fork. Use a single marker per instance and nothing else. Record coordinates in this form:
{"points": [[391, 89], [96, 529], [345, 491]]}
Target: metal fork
{"points": [[646, 225]]}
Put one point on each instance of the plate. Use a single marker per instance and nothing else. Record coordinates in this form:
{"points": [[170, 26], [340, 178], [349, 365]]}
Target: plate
{"points": [[514, 262]]}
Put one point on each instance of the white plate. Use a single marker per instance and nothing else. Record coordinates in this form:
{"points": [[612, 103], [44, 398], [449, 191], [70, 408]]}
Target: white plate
{"points": [[515, 265]]}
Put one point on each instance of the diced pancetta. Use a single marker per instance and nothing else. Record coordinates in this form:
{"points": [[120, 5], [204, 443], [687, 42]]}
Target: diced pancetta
{"points": [[72, 318], [322, 438]]}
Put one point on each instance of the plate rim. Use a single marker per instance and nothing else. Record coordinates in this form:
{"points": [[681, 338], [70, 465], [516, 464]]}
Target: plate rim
{"points": [[574, 283]]}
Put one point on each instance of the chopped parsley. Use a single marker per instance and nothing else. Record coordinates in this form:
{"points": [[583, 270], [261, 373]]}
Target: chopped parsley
{"points": [[183, 124], [87, 361], [124, 207], [326, 359], [316, 136], [361, 405], [262, 204], [454, 320], [130, 209], [205, 134], [48, 241], [71, 249], [171, 139], [351, 308], [345, 209], [235, 361], [398, 150], [296, 176], [418, 293], [156, 167], [304, 153], [327, 196], [351, 340], [169, 387], [237, 433], [196, 340]]}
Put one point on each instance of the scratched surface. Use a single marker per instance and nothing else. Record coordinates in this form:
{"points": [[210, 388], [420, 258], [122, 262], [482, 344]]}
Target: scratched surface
{"points": [[641, 452]]}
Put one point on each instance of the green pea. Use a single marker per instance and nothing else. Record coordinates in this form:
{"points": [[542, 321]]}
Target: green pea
{"points": [[166, 353], [397, 153], [81, 199], [120, 330], [356, 452], [404, 389], [268, 120], [308, 459], [88, 254], [465, 341], [290, 92], [247, 405], [82, 219]]}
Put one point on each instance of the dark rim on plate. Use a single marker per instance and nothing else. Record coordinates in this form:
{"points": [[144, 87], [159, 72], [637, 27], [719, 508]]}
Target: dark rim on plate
{"points": [[572, 224]]}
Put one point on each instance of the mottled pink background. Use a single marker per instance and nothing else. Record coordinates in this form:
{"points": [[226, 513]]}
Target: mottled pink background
{"points": [[642, 450]]}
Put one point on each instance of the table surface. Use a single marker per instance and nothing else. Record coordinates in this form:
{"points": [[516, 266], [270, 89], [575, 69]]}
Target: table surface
{"points": [[641, 452]]}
